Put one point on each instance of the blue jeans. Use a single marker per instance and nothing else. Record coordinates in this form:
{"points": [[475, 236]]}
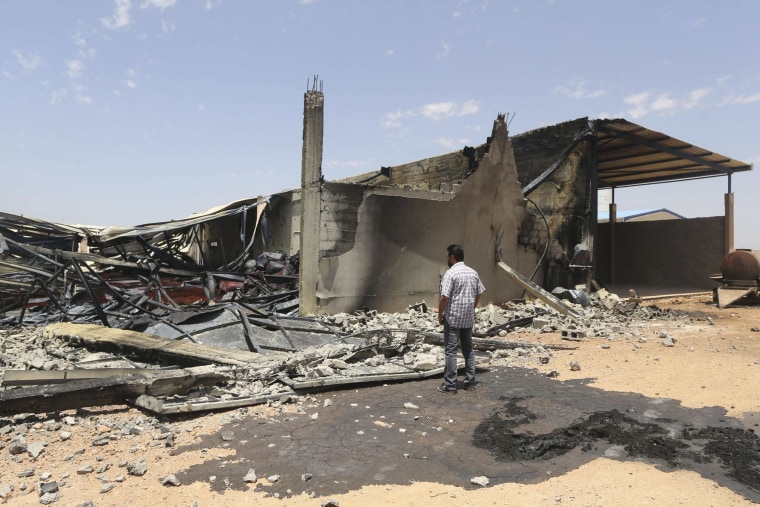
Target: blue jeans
{"points": [[451, 337]]}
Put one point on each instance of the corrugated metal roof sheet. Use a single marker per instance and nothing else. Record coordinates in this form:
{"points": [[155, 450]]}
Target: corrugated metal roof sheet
{"points": [[629, 154]]}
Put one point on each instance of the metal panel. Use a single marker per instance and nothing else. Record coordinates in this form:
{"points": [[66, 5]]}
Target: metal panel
{"points": [[629, 154]]}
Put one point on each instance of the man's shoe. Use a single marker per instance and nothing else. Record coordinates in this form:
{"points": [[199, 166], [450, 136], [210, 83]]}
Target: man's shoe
{"points": [[446, 390], [468, 386]]}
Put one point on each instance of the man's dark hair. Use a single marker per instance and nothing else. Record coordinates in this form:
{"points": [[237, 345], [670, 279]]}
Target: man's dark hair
{"points": [[457, 252]]}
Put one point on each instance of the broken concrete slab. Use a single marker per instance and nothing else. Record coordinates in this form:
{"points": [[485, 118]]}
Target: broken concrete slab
{"points": [[141, 344], [112, 390]]}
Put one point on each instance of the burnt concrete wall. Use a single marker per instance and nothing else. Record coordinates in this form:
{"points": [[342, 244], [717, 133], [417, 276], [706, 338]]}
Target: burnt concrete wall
{"points": [[399, 249], [221, 239], [538, 149], [281, 229], [558, 215], [438, 172], [663, 253], [339, 217]]}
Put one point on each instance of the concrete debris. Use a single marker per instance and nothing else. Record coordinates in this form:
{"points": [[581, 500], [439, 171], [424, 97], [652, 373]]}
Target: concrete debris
{"points": [[296, 355]]}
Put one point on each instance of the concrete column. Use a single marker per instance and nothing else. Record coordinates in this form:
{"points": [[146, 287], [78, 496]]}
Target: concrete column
{"points": [[729, 222], [613, 221], [311, 196]]}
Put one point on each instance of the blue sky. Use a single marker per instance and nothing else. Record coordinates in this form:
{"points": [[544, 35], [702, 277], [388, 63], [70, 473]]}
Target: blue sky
{"points": [[126, 112]]}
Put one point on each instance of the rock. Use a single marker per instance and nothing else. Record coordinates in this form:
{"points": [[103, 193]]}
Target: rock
{"points": [[47, 487], [100, 441], [65, 435], [411, 406], [306, 477], [5, 491], [250, 476], [87, 469], [328, 402], [426, 362], [132, 430], [228, 436], [337, 364], [170, 480], [480, 480], [17, 445], [48, 498], [27, 472], [273, 478], [575, 366], [669, 342], [137, 468], [330, 503], [36, 449], [375, 361], [88, 503], [105, 488]]}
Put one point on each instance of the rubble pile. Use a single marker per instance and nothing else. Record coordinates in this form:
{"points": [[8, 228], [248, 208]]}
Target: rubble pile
{"points": [[362, 347], [366, 346]]}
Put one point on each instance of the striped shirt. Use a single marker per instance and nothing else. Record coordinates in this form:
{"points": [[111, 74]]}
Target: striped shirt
{"points": [[460, 285]]}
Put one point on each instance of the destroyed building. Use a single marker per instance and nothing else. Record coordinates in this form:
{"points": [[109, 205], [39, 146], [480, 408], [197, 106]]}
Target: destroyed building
{"points": [[375, 240], [296, 283]]}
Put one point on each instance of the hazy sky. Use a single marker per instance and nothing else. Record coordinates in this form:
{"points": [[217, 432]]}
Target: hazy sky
{"points": [[126, 112]]}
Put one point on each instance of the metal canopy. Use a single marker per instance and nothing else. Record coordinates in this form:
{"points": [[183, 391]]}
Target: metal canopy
{"points": [[629, 154]]}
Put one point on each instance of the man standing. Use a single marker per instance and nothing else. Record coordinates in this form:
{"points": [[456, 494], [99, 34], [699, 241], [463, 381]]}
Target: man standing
{"points": [[460, 293]]}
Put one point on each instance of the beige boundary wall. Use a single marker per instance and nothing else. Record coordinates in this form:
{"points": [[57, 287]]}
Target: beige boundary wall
{"points": [[663, 253]]}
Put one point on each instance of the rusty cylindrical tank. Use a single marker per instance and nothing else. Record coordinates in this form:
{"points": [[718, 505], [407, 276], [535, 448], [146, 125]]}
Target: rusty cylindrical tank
{"points": [[741, 266]]}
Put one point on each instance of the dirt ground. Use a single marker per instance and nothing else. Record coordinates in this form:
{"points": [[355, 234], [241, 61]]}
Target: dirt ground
{"points": [[714, 362]]}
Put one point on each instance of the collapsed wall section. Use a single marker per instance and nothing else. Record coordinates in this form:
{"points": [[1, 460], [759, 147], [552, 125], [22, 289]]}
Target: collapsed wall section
{"points": [[437, 173], [399, 249]]}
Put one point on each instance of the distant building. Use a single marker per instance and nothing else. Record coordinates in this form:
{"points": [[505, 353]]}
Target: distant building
{"points": [[648, 215]]}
